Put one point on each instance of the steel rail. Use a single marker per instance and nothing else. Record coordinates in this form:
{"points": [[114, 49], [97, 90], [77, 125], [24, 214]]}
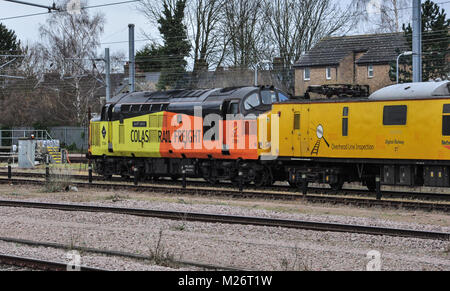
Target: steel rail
{"points": [[234, 193], [39, 264], [279, 188], [114, 253], [231, 219]]}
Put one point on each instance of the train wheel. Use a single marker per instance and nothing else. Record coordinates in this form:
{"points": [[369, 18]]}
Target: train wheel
{"points": [[337, 186], [212, 180], [263, 178], [371, 184]]}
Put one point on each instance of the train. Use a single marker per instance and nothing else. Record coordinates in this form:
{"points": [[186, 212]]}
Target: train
{"points": [[399, 136]]}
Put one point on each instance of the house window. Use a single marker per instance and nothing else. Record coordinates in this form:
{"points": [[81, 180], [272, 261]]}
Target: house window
{"points": [[307, 74], [370, 71], [328, 73]]}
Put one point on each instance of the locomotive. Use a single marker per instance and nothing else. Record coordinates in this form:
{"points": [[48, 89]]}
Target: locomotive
{"points": [[210, 133], [400, 135]]}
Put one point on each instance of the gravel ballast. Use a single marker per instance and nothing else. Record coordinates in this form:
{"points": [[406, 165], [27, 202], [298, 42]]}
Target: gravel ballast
{"points": [[248, 247]]}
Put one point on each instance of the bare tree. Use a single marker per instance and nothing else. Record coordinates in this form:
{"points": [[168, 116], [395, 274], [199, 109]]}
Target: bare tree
{"points": [[67, 42], [243, 25], [294, 26], [204, 22], [380, 15]]}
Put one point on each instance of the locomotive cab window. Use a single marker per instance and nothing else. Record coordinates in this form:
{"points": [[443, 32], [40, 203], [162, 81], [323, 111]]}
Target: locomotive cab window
{"points": [[252, 102], [282, 97], [345, 121], [446, 120], [268, 97], [394, 115]]}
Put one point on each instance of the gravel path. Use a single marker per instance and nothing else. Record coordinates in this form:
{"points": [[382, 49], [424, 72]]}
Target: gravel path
{"points": [[249, 247]]}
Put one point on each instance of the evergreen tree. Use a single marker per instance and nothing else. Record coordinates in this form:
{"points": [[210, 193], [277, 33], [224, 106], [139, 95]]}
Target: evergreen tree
{"points": [[435, 46], [176, 45], [150, 58], [8, 41]]}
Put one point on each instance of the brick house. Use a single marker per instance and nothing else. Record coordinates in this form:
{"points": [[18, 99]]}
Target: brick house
{"points": [[360, 59]]}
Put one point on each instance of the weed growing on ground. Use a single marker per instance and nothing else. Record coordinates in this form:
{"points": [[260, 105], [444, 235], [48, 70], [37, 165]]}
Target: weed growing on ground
{"points": [[296, 262], [60, 180], [160, 254]]}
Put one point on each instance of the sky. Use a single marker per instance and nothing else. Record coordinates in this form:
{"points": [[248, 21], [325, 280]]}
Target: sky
{"points": [[116, 28]]}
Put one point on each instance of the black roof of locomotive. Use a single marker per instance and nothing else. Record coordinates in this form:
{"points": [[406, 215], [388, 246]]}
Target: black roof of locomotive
{"points": [[185, 95]]}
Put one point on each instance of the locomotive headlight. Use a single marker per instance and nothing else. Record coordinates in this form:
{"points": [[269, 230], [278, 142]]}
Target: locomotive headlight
{"points": [[319, 131]]}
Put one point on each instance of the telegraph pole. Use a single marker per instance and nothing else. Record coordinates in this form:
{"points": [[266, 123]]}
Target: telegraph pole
{"points": [[131, 63], [417, 41], [108, 75]]}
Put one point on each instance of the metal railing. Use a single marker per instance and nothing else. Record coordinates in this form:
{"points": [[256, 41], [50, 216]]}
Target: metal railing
{"points": [[9, 137]]}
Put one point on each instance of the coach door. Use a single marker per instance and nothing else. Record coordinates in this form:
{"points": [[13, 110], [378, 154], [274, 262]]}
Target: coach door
{"points": [[306, 131], [296, 130]]}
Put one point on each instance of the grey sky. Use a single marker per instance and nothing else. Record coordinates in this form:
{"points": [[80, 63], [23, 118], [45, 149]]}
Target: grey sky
{"points": [[116, 28], [117, 19]]}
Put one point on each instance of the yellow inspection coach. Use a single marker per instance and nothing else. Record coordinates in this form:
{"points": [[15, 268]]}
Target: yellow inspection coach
{"points": [[400, 134]]}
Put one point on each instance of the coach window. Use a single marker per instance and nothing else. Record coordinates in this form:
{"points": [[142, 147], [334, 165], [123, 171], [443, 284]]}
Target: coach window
{"points": [[296, 121], [446, 120], [345, 121], [394, 115]]}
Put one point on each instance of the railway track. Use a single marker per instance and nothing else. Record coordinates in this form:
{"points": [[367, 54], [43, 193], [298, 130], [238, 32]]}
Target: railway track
{"points": [[36, 264], [116, 254], [255, 194], [231, 219], [424, 196]]}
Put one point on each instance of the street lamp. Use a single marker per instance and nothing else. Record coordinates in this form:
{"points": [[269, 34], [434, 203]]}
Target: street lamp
{"points": [[256, 69], [408, 53]]}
